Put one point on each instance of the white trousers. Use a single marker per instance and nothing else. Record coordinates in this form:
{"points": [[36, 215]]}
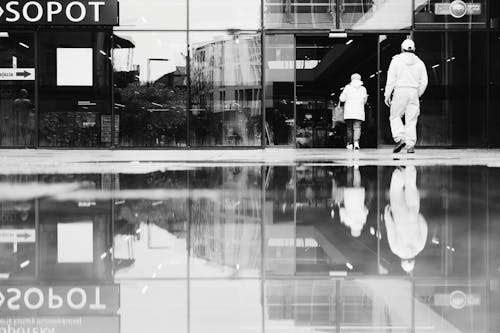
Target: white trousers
{"points": [[405, 102]]}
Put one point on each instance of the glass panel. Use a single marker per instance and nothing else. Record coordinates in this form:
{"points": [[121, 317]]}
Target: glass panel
{"points": [[225, 306], [75, 234], [148, 305], [451, 307], [17, 98], [279, 89], [336, 220], [324, 67], [438, 14], [300, 14], [279, 221], [225, 14], [226, 222], [153, 14], [300, 306], [374, 305], [376, 14], [18, 261], [150, 89], [226, 90], [454, 105], [150, 239], [494, 13], [494, 115], [78, 115]]}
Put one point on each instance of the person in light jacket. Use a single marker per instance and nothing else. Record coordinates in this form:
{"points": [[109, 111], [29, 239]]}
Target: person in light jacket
{"points": [[407, 79], [406, 228], [355, 96]]}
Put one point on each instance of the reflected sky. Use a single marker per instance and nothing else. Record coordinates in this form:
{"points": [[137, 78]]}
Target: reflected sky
{"points": [[290, 248]]}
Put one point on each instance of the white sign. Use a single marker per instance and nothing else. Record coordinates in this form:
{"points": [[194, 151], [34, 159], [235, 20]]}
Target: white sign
{"points": [[75, 67], [17, 74], [457, 9], [457, 300], [17, 236]]}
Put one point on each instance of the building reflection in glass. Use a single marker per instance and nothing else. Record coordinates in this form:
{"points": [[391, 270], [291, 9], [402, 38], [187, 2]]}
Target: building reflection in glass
{"points": [[226, 93], [338, 14], [277, 247], [150, 89]]}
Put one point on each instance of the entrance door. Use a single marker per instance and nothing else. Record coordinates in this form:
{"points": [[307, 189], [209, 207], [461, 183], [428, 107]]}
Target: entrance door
{"points": [[324, 67]]}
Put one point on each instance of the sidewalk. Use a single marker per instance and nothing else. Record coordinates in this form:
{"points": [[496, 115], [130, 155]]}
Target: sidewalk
{"points": [[22, 159]]}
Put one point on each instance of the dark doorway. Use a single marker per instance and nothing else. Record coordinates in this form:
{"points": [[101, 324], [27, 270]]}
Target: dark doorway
{"points": [[323, 67]]}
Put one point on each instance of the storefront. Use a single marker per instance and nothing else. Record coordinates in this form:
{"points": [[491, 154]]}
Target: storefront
{"points": [[182, 74]]}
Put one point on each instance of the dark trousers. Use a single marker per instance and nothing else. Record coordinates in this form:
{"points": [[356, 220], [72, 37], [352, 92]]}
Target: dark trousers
{"points": [[353, 130]]}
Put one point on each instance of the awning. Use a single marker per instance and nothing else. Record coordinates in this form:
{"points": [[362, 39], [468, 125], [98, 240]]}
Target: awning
{"points": [[122, 43]]}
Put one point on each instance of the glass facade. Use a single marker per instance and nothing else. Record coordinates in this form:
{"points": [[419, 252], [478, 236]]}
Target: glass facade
{"points": [[186, 74]]}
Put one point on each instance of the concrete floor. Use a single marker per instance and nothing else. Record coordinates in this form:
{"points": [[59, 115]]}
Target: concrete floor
{"points": [[132, 161]]}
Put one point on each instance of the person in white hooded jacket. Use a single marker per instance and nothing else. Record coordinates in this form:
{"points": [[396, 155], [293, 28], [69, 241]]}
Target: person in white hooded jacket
{"points": [[355, 96], [406, 228], [406, 82]]}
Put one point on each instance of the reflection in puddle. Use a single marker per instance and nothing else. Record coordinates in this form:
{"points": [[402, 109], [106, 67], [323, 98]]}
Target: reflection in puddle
{"points": [[296, 248]]}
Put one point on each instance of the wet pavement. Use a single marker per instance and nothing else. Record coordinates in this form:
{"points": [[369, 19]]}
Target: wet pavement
{"points": [[290, 247]]}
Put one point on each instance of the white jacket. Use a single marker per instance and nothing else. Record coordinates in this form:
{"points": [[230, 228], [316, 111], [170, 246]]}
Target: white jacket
{"points": [[406, 227], [354, 213], [406, 71], [355, 96]]}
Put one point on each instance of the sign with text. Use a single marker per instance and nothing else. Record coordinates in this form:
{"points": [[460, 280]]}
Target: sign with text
{"points": [[59, 12], [59, 300], [17, 74], [457, 9], [17, 235], [107, 324]]}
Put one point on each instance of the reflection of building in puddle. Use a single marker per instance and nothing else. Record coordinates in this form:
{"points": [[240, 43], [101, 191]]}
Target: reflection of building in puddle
{"points": [[319, 304]]}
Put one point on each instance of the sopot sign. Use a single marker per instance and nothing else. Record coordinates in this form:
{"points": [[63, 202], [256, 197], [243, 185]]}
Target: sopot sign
{"points": [[56, 12]]}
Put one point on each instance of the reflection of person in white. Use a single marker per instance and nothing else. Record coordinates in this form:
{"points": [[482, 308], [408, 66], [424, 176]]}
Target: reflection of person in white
{"points": [[406, 227], [352, 209], [407, 79]]}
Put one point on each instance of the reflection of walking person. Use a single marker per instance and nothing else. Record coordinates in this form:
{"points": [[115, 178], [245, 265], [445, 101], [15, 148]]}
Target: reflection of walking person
{"points": [[407, 79], [354, 95], [351, 201], [406, 227], [25, 118]]}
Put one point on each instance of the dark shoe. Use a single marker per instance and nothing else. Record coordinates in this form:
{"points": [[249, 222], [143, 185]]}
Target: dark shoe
{"points": [[400, 145], [411, 150]]}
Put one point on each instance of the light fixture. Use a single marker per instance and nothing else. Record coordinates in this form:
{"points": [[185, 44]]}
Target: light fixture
{"points": [[24, 45], [4, 34], [337, 35], [349, 42]]}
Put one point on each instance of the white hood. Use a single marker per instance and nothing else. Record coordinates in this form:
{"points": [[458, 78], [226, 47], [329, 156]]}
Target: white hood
{"points": [[406, 71]]}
